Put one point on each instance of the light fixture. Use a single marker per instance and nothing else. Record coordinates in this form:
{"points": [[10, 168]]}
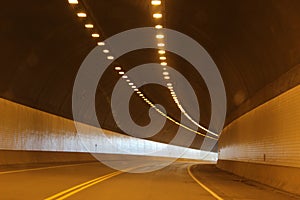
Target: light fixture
{"points": [[160, 44], [157, 15], [162, 58], [121, 73], [110, 57], [139, 92], [165, 73], [161, 51], [118, 68], [158, 26], [164, 69], [160, 36], [167, 77], [164, 64], [124, 76], [81, 14], [136, 90], [169, 84], [101, 43], [73, 2], [105, 51], [133, 87], [141, 95], [130, 83], [155, 2], [170, 88], [95, 35], [89, 26]]}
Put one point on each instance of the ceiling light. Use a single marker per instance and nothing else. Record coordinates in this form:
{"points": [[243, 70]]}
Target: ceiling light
{"points": [[130, 83], [133, 87], [156, 2], [127, 80], [124, 76], [136, 90], [165, 73], [173, 93], [73, 2], [164, 69], [164, 64], [101, 43], [160, 44], [110, 57], [95, 35], [162, 58], [157, 15], [89, 26], [161, 51], [118, 68], [81, 14], [141, 95], [160, 36], [139, 92], [170, 88], [121, 73], [105, 51], [169, 84], [158, 26], [167, 77]]}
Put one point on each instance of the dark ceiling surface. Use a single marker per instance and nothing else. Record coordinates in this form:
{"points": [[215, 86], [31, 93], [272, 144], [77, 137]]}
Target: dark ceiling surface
{"points": [[43, 44]]}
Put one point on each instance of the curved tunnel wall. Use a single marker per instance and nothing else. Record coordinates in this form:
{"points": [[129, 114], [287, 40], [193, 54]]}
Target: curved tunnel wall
{"points": [[27, 129], [264, 144]]}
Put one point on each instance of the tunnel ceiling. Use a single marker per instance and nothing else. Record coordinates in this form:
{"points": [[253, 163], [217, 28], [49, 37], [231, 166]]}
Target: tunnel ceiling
{"points": [[43, 44]]}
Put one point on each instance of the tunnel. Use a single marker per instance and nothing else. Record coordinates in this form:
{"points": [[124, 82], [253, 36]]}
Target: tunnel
{"points": [[150, 99]]}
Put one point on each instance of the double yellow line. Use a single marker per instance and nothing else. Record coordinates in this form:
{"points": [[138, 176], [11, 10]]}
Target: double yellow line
{"points": [[69, 192]]}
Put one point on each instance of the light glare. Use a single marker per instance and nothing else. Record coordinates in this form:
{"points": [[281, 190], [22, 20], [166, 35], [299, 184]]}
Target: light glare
{"points": [[95, 35], [157, 15], [161, 51], [101, 43], [73, 2], [89, 26], [81, 14], [155, 2], [160, 36], [158, 26]]}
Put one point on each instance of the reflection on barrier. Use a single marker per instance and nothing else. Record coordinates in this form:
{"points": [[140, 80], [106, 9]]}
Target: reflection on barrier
{"points": [[24, 128]]}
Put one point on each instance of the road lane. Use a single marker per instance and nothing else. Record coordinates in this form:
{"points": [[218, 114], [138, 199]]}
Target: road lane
{"points": [[172, 182], [96, 181], [39, 184]]}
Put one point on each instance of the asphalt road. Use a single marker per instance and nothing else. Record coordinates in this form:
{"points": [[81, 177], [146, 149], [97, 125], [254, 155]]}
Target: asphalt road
{"points": [[96, 181]]}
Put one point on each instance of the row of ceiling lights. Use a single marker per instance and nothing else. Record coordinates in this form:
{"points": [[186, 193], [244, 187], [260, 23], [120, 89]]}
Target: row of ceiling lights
{"points": [[88, 25], [162, 57]]}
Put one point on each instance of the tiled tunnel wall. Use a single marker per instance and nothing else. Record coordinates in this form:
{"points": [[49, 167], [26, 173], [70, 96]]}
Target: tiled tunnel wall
{"points": [[264, 144], [27, 129]]}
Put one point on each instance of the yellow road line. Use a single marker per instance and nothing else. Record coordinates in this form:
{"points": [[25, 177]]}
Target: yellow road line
{"points": [[71, 191], [41, 168], [202, 185]]}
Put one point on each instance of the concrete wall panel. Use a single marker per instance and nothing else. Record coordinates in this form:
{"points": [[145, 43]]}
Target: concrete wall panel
{"points": [[267, 136], [27, 129]]}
